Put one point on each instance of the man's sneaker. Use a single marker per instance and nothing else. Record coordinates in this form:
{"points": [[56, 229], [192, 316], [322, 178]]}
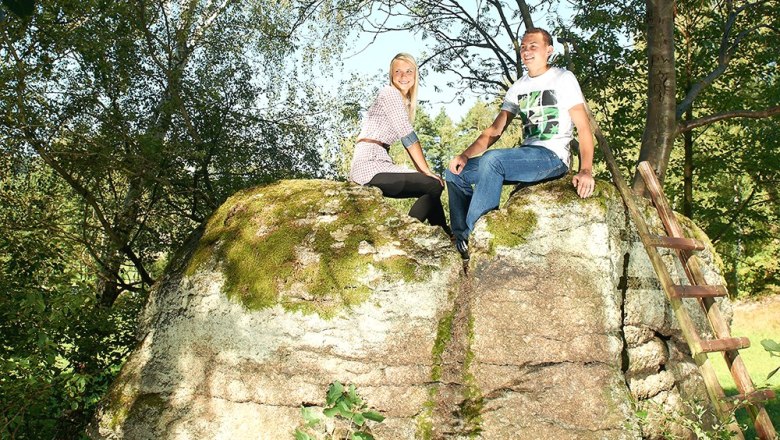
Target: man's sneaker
{"points": [[463, 248]]}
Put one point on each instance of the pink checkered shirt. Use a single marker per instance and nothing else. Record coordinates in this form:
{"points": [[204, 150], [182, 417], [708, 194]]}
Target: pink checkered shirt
{"points": [[387, 121]]}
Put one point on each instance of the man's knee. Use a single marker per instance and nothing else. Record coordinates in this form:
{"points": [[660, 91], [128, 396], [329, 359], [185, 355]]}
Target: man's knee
{"points": [[491, 162]]}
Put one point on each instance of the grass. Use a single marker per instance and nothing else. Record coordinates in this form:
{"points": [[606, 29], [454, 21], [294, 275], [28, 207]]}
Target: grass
{"points": [[756, 320]]}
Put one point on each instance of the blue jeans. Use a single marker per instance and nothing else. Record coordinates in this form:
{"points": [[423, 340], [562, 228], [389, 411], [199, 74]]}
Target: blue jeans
{"points": [[488, 173]]}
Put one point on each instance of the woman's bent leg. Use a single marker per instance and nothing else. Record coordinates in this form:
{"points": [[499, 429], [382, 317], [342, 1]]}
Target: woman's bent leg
{"points": [[407, 185]]}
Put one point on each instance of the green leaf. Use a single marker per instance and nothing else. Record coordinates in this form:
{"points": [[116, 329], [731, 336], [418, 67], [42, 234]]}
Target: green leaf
{"points": [[642, 414], [352, 393], [309, 416], [22, 8], [358, 419], [300, 435], [772, 373], [344, 410], [771, 346], [362, 436], [373, 415], [330, 412], [334, 392]]}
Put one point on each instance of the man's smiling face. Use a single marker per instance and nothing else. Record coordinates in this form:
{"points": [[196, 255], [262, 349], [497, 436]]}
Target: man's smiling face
{"points": [[534, 52]]}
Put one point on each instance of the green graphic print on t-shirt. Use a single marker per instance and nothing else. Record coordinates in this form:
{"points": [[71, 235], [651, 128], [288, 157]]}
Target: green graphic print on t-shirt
{"points": [[539, 112]]}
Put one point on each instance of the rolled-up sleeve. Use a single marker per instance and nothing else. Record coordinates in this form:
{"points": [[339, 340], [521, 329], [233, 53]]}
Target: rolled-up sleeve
{"points": [[409, 140], [397, 116], [511, 107]]}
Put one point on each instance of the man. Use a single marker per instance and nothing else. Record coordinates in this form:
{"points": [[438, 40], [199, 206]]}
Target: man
{"points": [[549, 101]]}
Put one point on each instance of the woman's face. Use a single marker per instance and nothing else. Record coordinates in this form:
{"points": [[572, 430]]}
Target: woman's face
{"points": [[403, 75]]}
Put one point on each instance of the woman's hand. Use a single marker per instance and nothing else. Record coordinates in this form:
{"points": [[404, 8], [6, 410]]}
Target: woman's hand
{"points": [[441, 181]]}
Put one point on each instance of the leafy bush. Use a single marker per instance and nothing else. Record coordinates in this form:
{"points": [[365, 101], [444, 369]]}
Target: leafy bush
{"points": [[349, 416]]}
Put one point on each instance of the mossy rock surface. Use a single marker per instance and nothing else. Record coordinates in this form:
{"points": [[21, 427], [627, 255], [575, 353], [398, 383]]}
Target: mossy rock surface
{"points": [[309, 245]]}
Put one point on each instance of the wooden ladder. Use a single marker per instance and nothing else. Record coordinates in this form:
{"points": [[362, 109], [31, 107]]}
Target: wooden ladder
{"points": [[697, 289]]}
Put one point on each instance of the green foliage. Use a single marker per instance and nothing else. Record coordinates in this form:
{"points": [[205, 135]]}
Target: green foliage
{"points": [[696, 421], [774, 351], [22, 8], [59, 351], [699, 428], [347, 409], [122, 126], [734, 162]]}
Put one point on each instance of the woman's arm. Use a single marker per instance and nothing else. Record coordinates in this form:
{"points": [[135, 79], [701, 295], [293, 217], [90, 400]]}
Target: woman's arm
{"points": [[418, 158]]}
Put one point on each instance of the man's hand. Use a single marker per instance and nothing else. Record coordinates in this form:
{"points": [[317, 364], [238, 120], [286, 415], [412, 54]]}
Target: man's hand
{"points": [[457, 163], [584, 183]]}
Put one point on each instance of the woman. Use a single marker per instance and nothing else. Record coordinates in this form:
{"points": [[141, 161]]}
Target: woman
{"points": [[389, 119]]}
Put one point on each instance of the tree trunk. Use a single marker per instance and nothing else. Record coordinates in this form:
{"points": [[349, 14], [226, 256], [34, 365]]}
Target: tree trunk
{"points": [[107, 287], [688, 169], [661, 124]]}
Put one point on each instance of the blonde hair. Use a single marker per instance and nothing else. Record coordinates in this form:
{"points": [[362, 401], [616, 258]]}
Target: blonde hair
{"points": [[411, 98]]}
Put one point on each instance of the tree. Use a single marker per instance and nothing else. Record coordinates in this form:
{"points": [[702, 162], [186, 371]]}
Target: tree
{"points": [[58, 351], [122, 125], [661, 127], [153, 113]]}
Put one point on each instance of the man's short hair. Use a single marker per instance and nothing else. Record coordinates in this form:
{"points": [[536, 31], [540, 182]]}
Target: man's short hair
{"points": [[545, 35]]}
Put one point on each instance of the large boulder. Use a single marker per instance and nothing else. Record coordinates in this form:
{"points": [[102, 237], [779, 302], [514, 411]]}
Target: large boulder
{"points": [[559, 330]]}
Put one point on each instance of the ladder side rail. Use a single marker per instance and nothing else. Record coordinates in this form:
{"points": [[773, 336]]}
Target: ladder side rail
{"points": [[712, 384], [738, 369], [689, 261], [762, 422]]}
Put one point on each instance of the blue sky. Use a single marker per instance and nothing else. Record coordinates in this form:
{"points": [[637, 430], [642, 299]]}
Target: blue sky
{"points": [[369, 59]]}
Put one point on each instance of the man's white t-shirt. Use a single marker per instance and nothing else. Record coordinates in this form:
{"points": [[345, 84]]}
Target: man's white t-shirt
{"points": [[543, 103]]}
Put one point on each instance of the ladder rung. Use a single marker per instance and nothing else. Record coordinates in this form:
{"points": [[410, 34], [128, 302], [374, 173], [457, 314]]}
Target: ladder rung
{"points": [[688, 244], [699, 291], [726, 344], [758, 396]]}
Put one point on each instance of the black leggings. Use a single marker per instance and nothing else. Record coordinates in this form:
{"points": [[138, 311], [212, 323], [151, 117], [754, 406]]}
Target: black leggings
{"points": [[408, 185]]}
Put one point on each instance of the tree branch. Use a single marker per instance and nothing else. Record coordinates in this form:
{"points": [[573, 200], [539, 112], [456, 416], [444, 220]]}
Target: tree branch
{"points": [[725, 54], [753, 114]]}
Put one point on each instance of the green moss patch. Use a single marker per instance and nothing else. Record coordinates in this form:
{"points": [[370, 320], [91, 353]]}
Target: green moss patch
{"points": [[443, 336], [473, 401], [296, 243], [425, 418], [510, 227], [562, 191]]}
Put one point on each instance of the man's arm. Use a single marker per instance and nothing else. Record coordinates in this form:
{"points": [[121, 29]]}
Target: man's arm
{"points": [[583, 181], [488, 137]]}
